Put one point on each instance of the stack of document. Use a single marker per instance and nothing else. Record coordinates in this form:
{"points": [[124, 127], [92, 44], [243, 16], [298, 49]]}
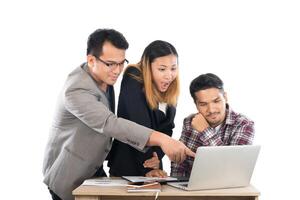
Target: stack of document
{"points": [[105, 181]]}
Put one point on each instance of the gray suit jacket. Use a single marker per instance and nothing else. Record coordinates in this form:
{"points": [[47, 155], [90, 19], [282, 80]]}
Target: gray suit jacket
{"points": [[80, 136]]}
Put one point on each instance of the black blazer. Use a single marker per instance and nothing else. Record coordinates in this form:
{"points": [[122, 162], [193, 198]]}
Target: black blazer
{"points": [[124, 160]]}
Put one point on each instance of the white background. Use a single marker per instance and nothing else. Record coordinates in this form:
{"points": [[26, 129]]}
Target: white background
{"points": [[253, 46]]}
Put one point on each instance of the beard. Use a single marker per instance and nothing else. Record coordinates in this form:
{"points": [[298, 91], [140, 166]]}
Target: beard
{"points": [[214, 119]]}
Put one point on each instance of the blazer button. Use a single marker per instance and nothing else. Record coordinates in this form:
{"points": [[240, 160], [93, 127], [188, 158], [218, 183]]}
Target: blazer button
{"points": [[97, 167]]}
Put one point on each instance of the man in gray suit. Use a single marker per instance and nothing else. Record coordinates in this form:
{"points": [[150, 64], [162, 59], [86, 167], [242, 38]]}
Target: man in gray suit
{"points": [[84, 123]]}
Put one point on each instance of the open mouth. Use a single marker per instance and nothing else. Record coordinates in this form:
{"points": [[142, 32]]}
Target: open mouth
{"points": [[165, 85]]}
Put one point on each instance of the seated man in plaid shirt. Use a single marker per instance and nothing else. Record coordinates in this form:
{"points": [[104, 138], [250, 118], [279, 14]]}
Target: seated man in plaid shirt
{"points": [[215, 124]]}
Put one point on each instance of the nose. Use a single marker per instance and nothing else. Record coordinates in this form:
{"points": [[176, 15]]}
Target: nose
{"points": [[210, 108], [168, 75], [117, 69]]}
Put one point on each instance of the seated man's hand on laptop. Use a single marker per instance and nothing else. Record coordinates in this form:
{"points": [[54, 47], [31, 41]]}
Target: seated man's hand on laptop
{"points": [[152, 162], [157, 173]]}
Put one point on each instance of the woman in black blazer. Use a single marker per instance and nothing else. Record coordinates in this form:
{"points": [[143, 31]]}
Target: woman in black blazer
{"points": [[148, 96]]}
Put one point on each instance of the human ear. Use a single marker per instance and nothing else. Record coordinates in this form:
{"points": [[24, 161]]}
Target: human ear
{"points": [[91, 60], [225, 97]]}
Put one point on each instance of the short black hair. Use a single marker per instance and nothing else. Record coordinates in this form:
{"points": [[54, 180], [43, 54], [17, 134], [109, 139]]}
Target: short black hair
{"points": [[97, 38], [205, 81]]}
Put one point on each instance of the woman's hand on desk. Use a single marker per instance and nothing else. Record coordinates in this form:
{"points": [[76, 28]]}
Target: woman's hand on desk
{"points": [[157, 173]]}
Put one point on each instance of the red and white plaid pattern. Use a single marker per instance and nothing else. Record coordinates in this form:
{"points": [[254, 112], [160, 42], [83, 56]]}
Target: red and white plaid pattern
{"points": [[236, 130]]}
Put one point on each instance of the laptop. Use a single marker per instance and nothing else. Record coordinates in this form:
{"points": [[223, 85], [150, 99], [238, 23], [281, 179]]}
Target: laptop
{"points": [[221, 167]]}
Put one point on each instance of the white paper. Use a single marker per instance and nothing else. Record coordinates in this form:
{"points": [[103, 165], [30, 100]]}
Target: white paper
{"points": [[105, 182]]}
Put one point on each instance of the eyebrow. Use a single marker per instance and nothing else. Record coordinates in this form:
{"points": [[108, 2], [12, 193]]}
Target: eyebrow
{"points": [[210, 101], [167, 66], [112, 61]]}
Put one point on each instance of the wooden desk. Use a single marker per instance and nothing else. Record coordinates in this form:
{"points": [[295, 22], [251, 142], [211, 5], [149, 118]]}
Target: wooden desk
{"points": [[167, 193]]}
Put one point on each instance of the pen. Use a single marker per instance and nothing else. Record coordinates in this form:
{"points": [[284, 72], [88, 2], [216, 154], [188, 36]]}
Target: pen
{"points": [[156, 195], [140, 186]]}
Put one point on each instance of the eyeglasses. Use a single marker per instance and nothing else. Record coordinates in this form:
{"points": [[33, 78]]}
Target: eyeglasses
{"points": [[112, 65]]}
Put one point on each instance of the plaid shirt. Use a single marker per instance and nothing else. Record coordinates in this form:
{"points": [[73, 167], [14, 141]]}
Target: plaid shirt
{"points": [[236, 130]]}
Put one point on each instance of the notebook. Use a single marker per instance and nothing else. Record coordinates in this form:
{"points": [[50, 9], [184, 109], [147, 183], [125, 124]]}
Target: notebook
{"points": [[221, 167], [143, 179], [149, 187]]}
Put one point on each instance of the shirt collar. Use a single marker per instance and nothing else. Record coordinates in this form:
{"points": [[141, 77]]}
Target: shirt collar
{"points": [[229, 117]]}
